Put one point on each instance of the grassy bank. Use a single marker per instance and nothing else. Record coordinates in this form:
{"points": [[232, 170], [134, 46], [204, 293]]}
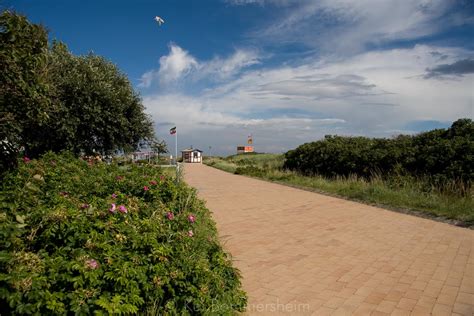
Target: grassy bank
{"points": [[401, 193]]}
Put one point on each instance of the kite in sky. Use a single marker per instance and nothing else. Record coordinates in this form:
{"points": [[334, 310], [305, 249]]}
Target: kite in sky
{"points": [[159, 20]]}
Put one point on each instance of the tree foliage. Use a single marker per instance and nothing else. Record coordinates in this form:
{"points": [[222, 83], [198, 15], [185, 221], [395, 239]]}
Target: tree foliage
{"points": [[25, 100], [158, 147], [100, 110], [441, 154], [53, 100]]}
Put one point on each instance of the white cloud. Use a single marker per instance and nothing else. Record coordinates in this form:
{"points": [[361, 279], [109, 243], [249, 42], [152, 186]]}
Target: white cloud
{"points": [[347, 26], [372, 93], [179, 64], [175, 65], [197, 114], [318, 86], [343, 88], [201, 124], [225, 68], [146, 79]]}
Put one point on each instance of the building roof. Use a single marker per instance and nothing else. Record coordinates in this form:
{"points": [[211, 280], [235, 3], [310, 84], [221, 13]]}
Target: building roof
{"points": [[191, 150]]}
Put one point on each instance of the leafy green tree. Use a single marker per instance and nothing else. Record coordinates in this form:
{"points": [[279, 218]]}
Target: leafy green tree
{"points": [[25, 100], [52, 100], [159, 147], [100, 111]]}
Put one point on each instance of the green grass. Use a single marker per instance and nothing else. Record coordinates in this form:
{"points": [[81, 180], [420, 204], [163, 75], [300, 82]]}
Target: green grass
{"points": [[401, 193], [221, 164]]}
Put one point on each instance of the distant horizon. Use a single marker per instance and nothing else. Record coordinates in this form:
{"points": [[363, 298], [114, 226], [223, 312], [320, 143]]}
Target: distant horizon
{"points": [[286, 71], [206, 150]]}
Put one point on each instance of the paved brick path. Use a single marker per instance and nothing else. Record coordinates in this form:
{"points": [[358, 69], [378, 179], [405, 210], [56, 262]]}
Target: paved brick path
{"points": [[305, 253]]}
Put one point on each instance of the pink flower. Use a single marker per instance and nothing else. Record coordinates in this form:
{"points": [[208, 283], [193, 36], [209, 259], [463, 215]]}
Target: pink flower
{"points": [[145, 188], [123, 209], [112, 209], [170, 216], [191, 218], [26, 159], [153, 182], [114, 196], [119, 178], [84, 206], [92, 264], [190, 233]]}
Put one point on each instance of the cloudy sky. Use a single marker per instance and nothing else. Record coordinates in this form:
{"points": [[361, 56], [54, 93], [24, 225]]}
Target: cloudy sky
{"points": [[285, 71]]}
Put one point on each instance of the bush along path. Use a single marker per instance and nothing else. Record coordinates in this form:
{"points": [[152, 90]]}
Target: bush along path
{"points": [[83, 238]]}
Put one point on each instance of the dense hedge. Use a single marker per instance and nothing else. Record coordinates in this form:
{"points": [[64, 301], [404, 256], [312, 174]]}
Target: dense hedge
{"points": [[84, 238], [441, 154]]}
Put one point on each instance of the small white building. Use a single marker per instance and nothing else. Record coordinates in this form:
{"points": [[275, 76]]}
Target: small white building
{"points": [[192, 155]]}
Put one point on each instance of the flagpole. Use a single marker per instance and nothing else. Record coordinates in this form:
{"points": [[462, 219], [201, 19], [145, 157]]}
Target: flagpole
{"points": [[176, 149]]}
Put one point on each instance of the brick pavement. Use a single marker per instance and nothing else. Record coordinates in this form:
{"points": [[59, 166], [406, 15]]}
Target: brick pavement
{"points": [[303, 253]]}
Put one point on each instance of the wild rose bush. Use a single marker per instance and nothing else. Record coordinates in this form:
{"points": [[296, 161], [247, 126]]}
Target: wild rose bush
{"points": [[83, 238]]}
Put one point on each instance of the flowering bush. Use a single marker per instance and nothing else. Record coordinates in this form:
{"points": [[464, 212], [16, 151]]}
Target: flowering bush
{"points": [[80, 238]]}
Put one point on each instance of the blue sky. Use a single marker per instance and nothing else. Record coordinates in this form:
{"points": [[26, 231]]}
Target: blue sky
{"points": [[286, 71]]}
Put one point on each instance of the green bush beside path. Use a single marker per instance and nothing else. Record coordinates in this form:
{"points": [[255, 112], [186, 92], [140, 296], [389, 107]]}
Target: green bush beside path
{"points": [[91, 238]]}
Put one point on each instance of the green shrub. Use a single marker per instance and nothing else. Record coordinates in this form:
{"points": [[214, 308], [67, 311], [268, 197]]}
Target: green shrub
{"points": [[440, 156], [85, 238]]}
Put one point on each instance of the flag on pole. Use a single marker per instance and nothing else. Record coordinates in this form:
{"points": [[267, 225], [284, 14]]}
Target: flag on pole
{"points": [[173, 131]]}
